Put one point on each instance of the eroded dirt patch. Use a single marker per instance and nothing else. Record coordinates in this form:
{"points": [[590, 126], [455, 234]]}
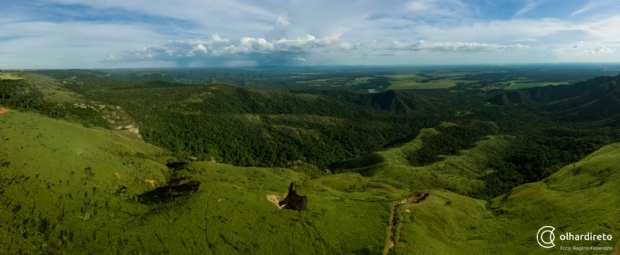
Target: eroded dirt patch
{"points": [[3, 111], [415, 199], [275, 199]]}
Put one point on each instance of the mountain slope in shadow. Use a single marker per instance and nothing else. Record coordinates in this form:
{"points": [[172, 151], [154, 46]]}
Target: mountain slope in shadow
{"points": [[595, 99]]}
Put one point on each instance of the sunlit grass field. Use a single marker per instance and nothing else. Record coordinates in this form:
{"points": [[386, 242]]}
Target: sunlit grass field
{"points": [[69, 188], [52, 90], [526, 83], [414, 81], [9, 76], [580, 198]]}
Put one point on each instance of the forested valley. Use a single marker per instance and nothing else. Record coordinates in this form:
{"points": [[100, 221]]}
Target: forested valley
{"points": [[248, 127]]}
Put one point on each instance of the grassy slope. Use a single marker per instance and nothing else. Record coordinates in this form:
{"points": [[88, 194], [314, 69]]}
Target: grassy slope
{"points": [[52, 89], [458, 173], [580, 198], [46, 186], [515, 85], [51, 202], [576, 199]]}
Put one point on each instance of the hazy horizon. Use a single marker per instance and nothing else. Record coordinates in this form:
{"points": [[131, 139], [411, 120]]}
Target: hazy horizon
{"points": [[615, 65]]}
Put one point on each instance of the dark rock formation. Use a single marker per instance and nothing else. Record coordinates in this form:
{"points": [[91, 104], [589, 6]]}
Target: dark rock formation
{"points": [[293, 201]]}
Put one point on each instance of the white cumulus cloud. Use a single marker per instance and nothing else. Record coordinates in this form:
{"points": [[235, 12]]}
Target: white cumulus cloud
{"points": [[598, 51], [455, 46], [201, 48], [283, 50], [578, 45], [558, 52]]}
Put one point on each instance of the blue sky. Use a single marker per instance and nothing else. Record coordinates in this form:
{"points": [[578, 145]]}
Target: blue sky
{"points": [[171, 33]]}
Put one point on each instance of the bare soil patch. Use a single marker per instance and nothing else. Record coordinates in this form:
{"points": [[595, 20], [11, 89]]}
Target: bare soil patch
{"points": [[3, 111], [275, 199], [415, 199]]}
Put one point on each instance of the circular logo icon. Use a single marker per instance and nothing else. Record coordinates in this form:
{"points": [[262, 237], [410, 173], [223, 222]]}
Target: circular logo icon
{"points": [[545, 237]]}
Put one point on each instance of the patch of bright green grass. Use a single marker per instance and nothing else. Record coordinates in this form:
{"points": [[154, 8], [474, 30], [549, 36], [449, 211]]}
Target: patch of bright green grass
{"points": [[436, 84], [413, 84], [360, 80], [52, 90], [70, 189], [526, 83], [9, 76], [579, 198], [64, 186], [458, 173], [414, 80]]}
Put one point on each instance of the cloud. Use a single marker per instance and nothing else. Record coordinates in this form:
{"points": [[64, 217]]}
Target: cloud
{"points": [[586, 8], [526, 40], [578, 45], [530, 5], [558, 52], [284, 50], [201, 48], [456, 46], [599, 51], [217, 38], [82, 33], [282, 23], [437, 8], [209, 13]]}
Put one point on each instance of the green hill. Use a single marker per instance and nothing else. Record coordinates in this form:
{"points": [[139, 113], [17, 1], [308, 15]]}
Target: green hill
{"points": [[398, 102], [248, 127], [595, 99], [69, 188], [578, 199], [75, 184], [459, 171]]}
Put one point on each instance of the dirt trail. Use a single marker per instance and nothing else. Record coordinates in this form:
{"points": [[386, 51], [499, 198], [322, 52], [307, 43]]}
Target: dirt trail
{"points": [[394, 229], [399, 228], [389, 243], [3, 111]]}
